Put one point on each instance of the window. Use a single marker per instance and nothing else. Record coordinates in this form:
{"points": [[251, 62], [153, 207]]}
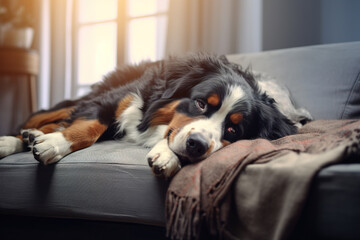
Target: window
{"points": [[112, 32]]}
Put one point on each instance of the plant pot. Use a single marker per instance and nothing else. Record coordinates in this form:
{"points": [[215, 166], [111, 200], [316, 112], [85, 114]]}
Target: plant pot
{"points": [[16, 37]]}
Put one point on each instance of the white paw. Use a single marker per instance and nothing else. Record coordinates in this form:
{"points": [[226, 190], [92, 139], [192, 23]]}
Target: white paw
{"points": [[29, 136], [50, 148], [10, 145], [162, 160]]}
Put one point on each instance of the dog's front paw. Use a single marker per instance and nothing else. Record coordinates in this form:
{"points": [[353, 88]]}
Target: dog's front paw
{"points": [[50, 148], [29, 136], [10, 145], [162, 160]]}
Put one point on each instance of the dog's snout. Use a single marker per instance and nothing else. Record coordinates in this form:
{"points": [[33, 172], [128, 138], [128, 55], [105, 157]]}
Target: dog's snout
{"points": [[196, 145]]}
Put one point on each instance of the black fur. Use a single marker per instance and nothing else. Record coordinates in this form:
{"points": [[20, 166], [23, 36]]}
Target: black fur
{"points": [[185, 79]]}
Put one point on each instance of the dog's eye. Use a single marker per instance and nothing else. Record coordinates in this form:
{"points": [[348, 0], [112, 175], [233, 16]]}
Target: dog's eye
{"points": [[231, 130], [200, 104]]}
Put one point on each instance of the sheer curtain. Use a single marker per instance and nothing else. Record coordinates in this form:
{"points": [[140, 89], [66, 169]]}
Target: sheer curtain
{"points": [[53, 34], [215, 26]]}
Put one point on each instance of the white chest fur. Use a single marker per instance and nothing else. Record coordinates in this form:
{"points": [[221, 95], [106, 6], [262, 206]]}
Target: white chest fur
{"points": [[131, 117]]}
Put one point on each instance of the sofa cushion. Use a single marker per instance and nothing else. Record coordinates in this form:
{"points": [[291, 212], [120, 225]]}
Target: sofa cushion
{"points": [[324, 79], [332, 210], [111, 180], [107, 181]]}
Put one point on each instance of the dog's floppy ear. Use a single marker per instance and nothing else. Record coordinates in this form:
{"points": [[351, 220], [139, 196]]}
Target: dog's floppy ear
{"points": [[182, 74], [180, 87], [148, 115], [270, 122], [224, 59], [176, 89]]}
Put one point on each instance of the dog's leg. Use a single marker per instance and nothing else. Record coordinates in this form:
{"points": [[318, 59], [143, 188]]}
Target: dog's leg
{"points": [[29, 135], [50, 148], [38, 124], [41, 119], [10, 145], [162, 160], [42, 123]]}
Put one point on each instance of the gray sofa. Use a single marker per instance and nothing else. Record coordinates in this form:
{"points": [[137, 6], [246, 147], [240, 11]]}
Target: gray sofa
{"points": [[108, 190]]}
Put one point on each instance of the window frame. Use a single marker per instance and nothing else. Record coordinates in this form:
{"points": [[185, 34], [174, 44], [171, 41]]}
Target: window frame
{"points": [[76, 26], [122, 21]]}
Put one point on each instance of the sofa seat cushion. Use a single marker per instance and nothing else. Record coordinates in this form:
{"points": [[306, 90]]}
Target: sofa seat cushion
{"points": [[107, 181], [332, 210]]}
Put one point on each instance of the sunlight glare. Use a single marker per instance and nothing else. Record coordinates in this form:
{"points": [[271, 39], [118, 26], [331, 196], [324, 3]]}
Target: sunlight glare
{"points": [[95, 10], [97, 52], [138, 8], [142, 39]]}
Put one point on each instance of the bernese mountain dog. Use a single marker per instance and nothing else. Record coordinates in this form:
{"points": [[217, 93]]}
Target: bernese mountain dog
{"points": [[184, 108]]}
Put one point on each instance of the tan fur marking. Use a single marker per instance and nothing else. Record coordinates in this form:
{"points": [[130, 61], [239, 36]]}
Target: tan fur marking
{"points": [[49, 128], [172, 135], [42, 119], [225, 143], [165, 114], [208, 152], [20, 137], [179, 121], [236, 118], [213, 99], [123, 105], [83, 133]]}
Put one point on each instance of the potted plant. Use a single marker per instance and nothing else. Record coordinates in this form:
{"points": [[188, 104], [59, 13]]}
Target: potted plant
{"points": [[16, 24]]}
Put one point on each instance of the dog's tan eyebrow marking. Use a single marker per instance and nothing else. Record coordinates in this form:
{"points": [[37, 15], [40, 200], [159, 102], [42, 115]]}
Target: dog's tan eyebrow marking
{"points": [[165, 114], [236, 118], [123, 104], [213, 99]]}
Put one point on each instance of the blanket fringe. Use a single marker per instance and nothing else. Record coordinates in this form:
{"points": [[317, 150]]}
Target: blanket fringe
{"points": [[203, 208], [183, 215]]}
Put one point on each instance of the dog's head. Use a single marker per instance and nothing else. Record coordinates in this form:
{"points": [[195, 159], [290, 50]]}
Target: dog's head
{"points": [[215, 103]]}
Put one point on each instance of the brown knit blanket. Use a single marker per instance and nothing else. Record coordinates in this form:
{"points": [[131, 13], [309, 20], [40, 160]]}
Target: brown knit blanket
{"points": [[269, 180]]}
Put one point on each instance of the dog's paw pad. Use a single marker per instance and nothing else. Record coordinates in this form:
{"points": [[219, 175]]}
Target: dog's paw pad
{"points": [[152, 159], [32, 138], [25, 134], [165, 165], [158, 170], [29, 136], [36, 154], [163, 161]]}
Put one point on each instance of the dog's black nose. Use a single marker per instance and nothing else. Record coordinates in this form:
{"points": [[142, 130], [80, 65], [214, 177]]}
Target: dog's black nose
{"points": [[196, 145]]}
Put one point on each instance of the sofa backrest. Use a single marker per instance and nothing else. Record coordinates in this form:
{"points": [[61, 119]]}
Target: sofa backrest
{"points": [[324, 79]]}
